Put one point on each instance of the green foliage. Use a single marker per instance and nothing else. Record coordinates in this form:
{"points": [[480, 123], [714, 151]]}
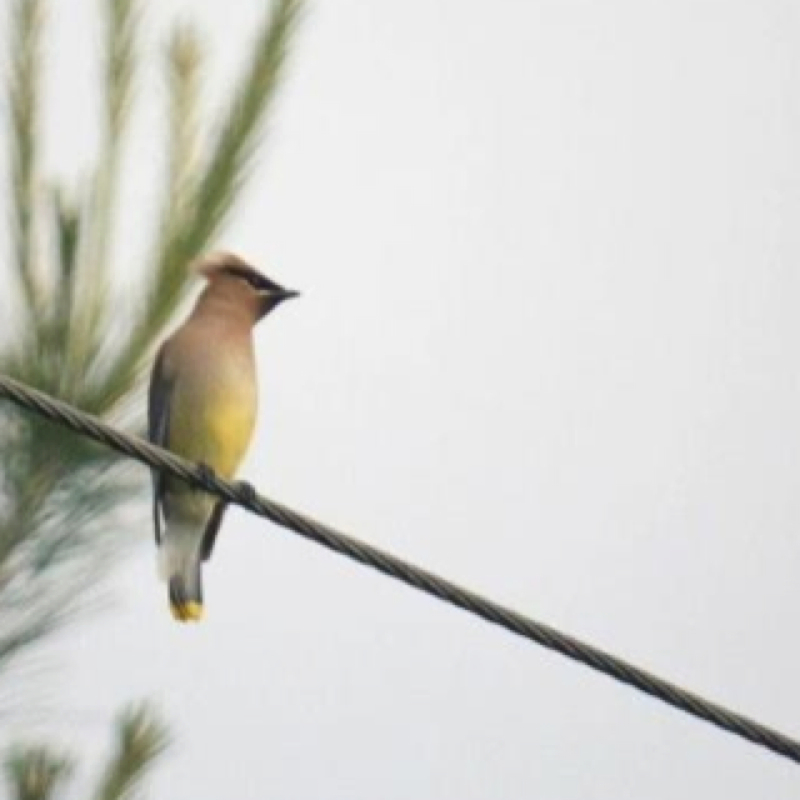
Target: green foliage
{"points": [[140, 739], [197, 209], [60, 496], [39, 773], [23, 96], [36, 773]]}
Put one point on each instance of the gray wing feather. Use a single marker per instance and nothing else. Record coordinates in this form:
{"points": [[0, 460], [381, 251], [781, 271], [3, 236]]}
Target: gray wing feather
{"points": [[212, 529], [158, 432]]}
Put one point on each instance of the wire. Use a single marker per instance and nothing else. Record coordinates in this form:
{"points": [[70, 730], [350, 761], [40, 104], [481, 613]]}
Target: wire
{"points": [[244, 495]]}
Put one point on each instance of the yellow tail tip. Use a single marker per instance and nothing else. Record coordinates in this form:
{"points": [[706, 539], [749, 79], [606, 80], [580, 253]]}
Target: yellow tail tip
{"points": [[188, 612]]}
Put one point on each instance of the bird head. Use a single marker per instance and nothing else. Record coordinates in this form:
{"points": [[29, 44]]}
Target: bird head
{"points": [[232, 279]]}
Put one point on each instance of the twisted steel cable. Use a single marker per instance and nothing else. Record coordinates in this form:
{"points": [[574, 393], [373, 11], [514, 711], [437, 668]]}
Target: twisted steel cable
{"points": [[244, 495]]}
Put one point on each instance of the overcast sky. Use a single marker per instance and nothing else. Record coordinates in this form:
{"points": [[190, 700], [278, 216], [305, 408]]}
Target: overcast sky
{"points": [[548, 346]]}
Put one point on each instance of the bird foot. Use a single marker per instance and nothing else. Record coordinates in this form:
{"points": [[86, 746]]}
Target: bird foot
{"points": [[246, 491], [206, 474]]}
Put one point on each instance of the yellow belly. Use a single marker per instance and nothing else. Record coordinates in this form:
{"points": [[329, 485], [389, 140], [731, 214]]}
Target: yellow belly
{"points": [[213, 426]]}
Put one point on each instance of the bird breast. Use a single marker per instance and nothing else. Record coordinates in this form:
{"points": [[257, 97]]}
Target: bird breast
{"points": [[215, 402]]}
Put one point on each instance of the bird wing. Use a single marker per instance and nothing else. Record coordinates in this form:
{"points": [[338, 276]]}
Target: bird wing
{"points": [[212, 528], [160, 395]]}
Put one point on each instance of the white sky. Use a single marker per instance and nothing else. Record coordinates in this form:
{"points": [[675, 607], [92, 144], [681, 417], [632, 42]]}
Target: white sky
{"points": [[548, 346]]}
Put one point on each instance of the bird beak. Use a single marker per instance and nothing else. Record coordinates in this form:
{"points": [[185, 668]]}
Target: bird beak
{"points": [[284, 294], [272, 298]]}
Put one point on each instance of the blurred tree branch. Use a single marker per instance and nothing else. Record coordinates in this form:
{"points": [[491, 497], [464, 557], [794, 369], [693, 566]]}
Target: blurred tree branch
{"points": [[140, 739], [60, 496], [35, 772]]}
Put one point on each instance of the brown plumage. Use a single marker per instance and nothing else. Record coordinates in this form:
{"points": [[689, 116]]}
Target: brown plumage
{"points": [[203, 401]]}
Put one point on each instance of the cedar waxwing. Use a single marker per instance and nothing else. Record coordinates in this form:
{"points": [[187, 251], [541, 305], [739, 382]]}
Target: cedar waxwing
{"points": [[202, 404]]}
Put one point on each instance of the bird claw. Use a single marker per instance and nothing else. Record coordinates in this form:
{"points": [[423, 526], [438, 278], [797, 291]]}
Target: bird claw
{"points": [[246, 491], [206, 474]]}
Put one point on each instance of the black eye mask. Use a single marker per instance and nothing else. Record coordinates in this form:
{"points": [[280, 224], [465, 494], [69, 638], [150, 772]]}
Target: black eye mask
{"points": [[259, 282]]}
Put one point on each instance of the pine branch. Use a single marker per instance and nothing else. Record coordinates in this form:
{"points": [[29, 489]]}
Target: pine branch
{"points": [[36, 773], [89, 322], [23, 93], [184, 63], [231, 157], [141, 739], [220, 183], [122, 29], [58, 494], [39, 773]]}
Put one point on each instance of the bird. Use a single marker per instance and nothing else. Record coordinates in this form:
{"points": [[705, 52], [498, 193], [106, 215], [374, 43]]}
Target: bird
{"points": [[202, 405]]}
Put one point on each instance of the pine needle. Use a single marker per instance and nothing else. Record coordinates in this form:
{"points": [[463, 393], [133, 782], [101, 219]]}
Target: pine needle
{"points": [[36, 772], [23, 92], [218, 186], [184, 64], [59, 496], [140, 739], [90, 321]]}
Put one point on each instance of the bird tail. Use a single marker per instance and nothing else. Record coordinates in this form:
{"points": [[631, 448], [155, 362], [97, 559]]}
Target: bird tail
{"points": [[179, 562]]}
